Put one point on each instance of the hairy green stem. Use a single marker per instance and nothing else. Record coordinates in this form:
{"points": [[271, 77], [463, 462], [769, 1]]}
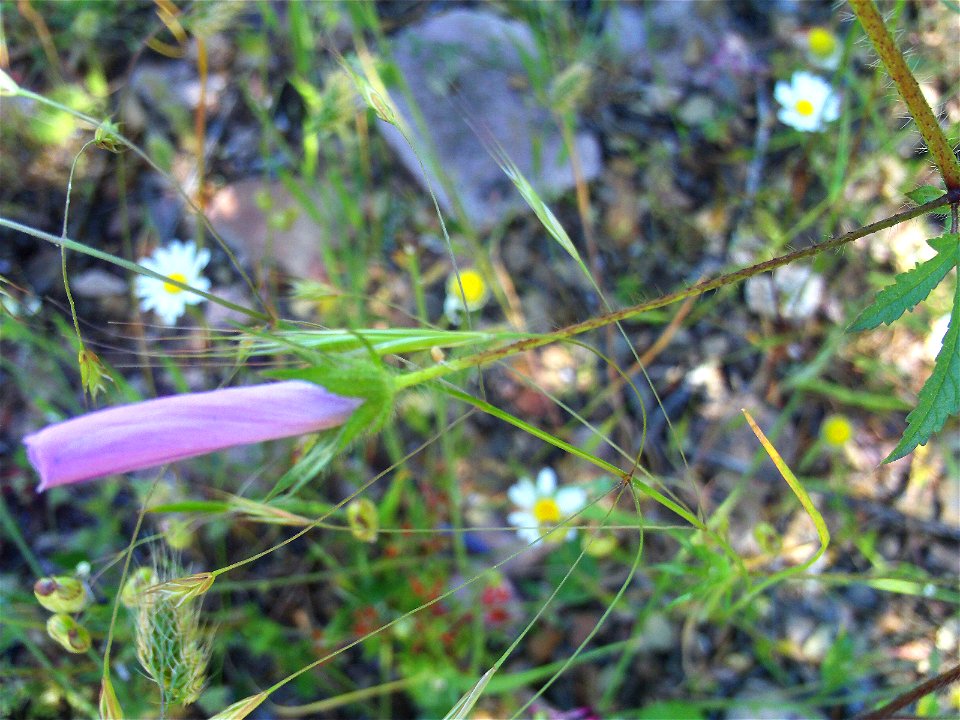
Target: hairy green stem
{"points": [[486, 357], [909, 90]]}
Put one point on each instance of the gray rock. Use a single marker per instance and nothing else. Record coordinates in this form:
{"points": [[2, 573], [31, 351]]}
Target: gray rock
{"points": [[465, 71], [683, 45]]}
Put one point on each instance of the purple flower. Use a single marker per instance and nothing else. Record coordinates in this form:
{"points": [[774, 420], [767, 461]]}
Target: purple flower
{"points": [[155, 432]]}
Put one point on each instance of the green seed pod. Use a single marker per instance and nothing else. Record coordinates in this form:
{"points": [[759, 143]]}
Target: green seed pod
{"points": [[61, 594], [107, 137], [363, 520], [178, 534], [600, 543], [69, 633]]}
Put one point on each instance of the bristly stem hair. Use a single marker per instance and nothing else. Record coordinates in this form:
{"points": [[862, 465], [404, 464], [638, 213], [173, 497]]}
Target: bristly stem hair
{"points": [[909, 90]]}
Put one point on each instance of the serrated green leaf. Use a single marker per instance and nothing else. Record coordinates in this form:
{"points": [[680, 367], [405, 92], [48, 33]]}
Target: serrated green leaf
{"points": [[911, 287], [940, 395], [926, 193]]}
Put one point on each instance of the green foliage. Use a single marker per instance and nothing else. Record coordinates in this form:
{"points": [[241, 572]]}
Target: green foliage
{"points": [[928, 193], [839, 664], [676, 709], [364, 378], [940, 396], [372, 578], [911, 287]]}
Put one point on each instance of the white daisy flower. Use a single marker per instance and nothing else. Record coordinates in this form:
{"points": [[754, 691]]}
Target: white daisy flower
{"points": [[179, 261], [542, 506], [808, 102], [475, 292]]}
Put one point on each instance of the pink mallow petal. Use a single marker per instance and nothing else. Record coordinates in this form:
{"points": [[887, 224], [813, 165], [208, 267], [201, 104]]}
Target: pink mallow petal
{"points": [[156, 432]]}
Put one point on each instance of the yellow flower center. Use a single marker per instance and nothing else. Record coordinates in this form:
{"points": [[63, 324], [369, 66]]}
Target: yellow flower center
{"points": [[546, 510], [823, 43], [171, 288], [836, 431], [474, 288], [804, 107]]}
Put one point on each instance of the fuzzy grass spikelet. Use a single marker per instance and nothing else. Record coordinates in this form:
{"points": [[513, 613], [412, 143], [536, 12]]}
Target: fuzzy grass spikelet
{"points": [[173, 646]]}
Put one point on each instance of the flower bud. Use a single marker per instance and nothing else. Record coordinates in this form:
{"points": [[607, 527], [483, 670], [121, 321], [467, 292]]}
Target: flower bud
{"points": [[69, 633], [178, 534], [107, 137], [61, 594], [363, 520], [600, 543], [836, 431]]}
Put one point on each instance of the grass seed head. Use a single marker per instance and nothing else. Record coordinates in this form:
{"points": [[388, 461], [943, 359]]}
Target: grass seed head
{"points": [[173, 646]]}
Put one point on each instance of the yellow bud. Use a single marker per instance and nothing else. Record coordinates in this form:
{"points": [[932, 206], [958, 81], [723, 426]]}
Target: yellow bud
{"points": [[61, 594], [68, 632], [363, 520], [475, 290], [836, 431], [599, 543], [823, 43]]}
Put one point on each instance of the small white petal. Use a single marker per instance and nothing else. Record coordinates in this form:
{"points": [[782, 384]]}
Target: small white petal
{"points": [[546, 482], [783, 93], [571, 500], [526, 524], [522, 494], [529, 535], [522, 519]]}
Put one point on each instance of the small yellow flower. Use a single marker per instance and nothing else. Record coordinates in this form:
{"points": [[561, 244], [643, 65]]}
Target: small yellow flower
{"points": [[475, 294], [836, 431]]}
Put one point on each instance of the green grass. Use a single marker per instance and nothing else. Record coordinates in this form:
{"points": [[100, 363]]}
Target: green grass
{"points": [[301, 604]]}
